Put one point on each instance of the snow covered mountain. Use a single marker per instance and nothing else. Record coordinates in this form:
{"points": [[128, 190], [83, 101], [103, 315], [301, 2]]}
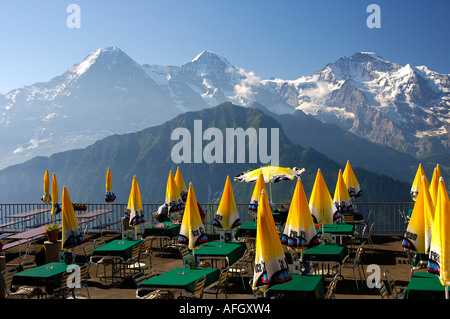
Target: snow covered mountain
{"points": [[108, 93], [405, 107]]}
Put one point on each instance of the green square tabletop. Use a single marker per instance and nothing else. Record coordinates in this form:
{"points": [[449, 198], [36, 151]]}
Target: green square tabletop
{"points": [[181, 278], [332, 252], [169, 230], [247, 229], [301, 287], [47, 276], [424, 286], [233, 250], [118, 247], [344, 229]]}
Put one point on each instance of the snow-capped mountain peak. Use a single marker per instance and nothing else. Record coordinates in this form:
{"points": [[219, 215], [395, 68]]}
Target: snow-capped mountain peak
{"points": [[405, 107]]}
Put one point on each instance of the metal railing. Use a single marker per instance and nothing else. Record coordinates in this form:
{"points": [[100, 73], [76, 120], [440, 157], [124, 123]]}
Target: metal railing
{"points": [[386, 216]]}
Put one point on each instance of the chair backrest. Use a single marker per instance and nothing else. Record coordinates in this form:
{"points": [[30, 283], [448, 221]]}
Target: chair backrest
{"points": [[84, 272], [383, 291], [223, 277], [390, 282], [359, 253], [28, 265], [149, 272], [63, 281], [7, 276], [138, 278], [146, 245], [99, 242], [371, 228], [332, 287], [348, 219], [135, 251], [198, 288], [88, 248], [184, 251]]}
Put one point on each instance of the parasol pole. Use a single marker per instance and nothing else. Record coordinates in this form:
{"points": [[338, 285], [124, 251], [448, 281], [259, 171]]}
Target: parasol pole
{"points": [[446, 292]]}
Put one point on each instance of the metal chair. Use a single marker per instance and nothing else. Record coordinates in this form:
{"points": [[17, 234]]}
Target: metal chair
{"points": [[146, 250], [63, 290], [84, 279], [221, 286], [184, 251], [28, 265], [7, 276], [383, 290], [391, 286], [241, 267], [332, 287], [132, 263], [99, 242], [355, 262], [197, 293]]}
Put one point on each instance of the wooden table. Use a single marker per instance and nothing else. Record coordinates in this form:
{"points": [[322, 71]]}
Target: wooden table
{"points": [[28, 236], [26, 216], [300, 287], [96, 214]]}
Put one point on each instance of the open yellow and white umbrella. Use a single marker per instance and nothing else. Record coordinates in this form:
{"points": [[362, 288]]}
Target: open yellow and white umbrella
{"points": [[173, 199], [55, 206], [46, 198], [434, 184], [109, 196], [271, 174], [415, 187], [71, 234], [134, 210], [192, 230], [354, 189], [341, 197], [271, 267], [321, 204], [227, 216], [299, 230], [418, 234], [181, 185], [439, 258]]}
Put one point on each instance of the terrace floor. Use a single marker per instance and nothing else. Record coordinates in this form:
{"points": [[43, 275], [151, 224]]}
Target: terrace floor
{"points": [[387, 254]]}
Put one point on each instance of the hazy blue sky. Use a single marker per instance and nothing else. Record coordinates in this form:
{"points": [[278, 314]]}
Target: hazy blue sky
{"points": [[283, 38]]}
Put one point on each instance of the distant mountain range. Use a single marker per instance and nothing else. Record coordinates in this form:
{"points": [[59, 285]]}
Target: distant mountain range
{"points": [[382, 116], [147, 154]]}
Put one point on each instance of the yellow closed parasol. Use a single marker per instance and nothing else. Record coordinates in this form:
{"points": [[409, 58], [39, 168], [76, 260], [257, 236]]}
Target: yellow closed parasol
{"points": [[350, 180], [418, 234], [299, 230], [271, 267], [181, 185], [227, 216], [434, 184], [341, 197], [134, 210], [192, 231], [321, 204], [109, 196], [71, 234], [439, 258], [415, 187], [46, 198], [173, 196]]}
